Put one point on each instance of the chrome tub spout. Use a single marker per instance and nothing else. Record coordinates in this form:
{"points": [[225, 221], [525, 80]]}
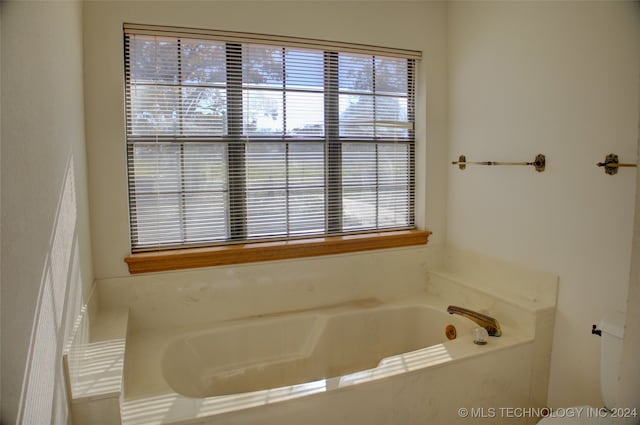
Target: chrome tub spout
{"points": [[489, 323]]}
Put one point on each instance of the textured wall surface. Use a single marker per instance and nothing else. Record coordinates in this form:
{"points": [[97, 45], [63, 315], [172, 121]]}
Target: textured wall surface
{"points": [[46, 255], [559, 78]]}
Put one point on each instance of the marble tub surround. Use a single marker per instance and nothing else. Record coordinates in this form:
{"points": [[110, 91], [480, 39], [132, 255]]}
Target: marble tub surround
{"points": [[532, 289], [521, 315], [533, 320], [427, 385], [94, 363], [520, 297], [192, 297]]}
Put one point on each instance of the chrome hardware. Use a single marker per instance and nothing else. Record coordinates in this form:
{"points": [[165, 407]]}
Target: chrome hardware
{"points": [[480, 336]]}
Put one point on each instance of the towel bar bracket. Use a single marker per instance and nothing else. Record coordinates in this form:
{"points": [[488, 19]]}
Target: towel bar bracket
{"points": [[611, 164]]}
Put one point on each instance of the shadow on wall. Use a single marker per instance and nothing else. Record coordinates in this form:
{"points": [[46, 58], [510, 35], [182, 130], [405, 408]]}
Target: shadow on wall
{"points": [[43, 398]]}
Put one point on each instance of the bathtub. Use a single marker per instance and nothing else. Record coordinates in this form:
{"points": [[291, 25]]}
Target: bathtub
{"points": [[295, 348], [363, 361]]}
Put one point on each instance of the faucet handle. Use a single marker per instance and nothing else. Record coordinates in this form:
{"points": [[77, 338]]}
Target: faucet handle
{"points": [[480, 336]]}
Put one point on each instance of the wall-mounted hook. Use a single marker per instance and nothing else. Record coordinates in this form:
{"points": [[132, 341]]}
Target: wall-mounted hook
{"points": [[595, 330]]}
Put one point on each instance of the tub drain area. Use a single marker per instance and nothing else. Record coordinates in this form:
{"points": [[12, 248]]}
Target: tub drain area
{"points": [[450, 332]]}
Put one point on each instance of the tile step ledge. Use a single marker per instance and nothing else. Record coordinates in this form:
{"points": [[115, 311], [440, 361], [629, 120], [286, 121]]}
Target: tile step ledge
{"points": [[94, 366], [529, 303]]}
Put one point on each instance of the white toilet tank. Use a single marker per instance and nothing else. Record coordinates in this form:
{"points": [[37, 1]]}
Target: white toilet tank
{"points": [[612, 327]]}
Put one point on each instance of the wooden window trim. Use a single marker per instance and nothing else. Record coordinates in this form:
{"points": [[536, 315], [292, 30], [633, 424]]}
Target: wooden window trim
{"points": [[187, 258]]}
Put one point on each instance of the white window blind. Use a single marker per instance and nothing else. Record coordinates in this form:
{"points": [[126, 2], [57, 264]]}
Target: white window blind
{"points": [[231, 141]]}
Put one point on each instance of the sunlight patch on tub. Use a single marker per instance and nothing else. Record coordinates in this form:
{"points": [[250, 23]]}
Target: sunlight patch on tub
{"points": [[167, 408], [398, 364], [227, 403], [148, 410], [97, 368]]}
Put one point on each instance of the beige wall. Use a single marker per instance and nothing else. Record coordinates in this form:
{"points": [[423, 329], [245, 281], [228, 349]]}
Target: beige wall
{"points": [[46, 256], [410, 25], [0, 212], [558, 78]]}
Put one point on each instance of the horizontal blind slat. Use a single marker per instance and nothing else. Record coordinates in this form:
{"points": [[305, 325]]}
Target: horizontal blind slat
{"points": [[182, 97]]}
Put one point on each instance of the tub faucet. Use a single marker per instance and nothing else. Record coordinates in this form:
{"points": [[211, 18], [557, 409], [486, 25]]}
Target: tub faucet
{"points": [[489, 323]]}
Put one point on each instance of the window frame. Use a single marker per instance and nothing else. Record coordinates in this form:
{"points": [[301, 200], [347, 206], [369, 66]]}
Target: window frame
{"points": [[237, 248]]}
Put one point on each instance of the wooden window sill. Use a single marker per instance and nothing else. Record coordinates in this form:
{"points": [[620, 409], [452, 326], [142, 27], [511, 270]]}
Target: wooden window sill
{"points": [[187, 258]]}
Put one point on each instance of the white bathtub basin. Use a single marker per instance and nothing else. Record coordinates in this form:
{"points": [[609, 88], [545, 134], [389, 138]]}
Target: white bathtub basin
{"points": [[270, 352]]}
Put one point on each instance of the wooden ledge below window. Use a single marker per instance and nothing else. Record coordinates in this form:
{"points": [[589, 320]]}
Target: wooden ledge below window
{"points": [[187, 258]]}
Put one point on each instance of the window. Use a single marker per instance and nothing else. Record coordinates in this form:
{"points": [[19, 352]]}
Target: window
{"points": [[233, 137]]}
